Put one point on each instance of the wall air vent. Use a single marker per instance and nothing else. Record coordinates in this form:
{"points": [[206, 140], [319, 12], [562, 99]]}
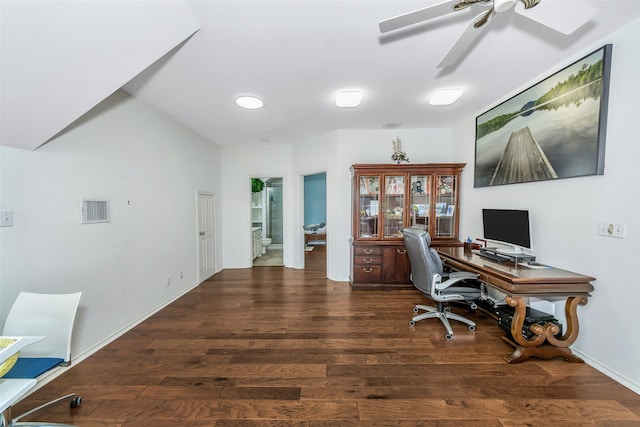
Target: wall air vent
{"points": [[95, 211]]}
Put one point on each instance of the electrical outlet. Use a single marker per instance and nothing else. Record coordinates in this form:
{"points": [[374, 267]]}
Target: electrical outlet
{"points": [[619, 230], [169, 281], [612, 229], [181, 275]]}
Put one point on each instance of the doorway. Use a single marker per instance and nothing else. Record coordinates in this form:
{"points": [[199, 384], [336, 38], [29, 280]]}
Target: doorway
{"points": [[267, 225], [315, 218]]}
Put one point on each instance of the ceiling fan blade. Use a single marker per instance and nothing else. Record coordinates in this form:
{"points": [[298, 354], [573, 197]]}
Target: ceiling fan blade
{"points": [[470, 34], [416, 16], [562, 16]]}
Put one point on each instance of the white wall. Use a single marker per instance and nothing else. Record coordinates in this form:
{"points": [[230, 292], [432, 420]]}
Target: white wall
{"points": [[565, 213], [150, 169], [315, 156]]}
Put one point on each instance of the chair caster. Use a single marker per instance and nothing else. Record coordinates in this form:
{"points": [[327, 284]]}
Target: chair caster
{"points": [[412, 323], [75, 402], [448, 336], [416, 310], [472, 328]]}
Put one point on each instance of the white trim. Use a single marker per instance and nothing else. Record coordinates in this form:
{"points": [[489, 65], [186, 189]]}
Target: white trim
{"points": [[614, 375]]}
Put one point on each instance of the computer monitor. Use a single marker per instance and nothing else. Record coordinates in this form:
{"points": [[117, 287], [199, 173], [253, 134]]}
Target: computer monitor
{"points": [[509, 227]]}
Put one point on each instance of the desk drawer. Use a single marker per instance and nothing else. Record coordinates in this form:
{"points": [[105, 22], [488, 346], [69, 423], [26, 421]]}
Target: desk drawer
{"points": [[360, 261], [366, 274]]}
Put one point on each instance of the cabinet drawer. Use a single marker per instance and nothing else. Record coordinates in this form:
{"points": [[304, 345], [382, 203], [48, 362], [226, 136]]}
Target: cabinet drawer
{"points": [[364, 261], [366, 250], [366, 274]]}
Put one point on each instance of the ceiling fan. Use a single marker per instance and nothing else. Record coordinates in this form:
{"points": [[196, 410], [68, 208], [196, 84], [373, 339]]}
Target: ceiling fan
{"points": [[559, 15]]}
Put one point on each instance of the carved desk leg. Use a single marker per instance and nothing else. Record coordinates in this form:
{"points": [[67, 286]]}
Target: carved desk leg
{"points": [[533, 347]]}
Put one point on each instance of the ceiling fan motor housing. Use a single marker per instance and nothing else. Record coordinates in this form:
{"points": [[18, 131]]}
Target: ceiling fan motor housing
{"points": [[503, 5]]}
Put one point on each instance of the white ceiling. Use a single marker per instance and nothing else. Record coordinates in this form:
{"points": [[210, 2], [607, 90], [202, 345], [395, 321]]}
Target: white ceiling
{"points": [[297, 54], [59, 58]]}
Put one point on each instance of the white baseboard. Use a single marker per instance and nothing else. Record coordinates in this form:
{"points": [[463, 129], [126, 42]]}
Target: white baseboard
{"points": [[614, 375]]}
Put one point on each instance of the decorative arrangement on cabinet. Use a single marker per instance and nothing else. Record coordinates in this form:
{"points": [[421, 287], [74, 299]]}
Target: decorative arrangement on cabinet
{"points": [[398, 155], [387, 198]]}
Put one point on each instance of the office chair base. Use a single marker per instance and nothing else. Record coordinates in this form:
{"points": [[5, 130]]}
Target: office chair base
{"points": [[40, 424], [74, 402], [444, 314]]}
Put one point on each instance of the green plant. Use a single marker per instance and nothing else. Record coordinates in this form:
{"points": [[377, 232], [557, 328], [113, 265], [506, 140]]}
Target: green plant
{"points": [[256, 185]]}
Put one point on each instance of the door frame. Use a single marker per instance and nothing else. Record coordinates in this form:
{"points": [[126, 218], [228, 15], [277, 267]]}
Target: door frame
{"points": [[302, 234], [214, 268]]}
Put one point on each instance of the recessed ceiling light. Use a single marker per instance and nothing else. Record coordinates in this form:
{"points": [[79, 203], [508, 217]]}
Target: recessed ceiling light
{"points": [[249, 102], [348, 99], [445, 96]]}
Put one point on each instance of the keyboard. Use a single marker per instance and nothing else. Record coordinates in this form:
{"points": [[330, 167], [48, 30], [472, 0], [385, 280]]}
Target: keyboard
{"points": [[494, 257]]}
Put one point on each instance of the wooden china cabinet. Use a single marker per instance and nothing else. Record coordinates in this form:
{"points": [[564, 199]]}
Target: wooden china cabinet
{"points": [[387, 198]]}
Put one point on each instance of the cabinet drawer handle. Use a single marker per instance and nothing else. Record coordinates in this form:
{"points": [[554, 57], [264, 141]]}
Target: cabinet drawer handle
{"points": [[367, 251], [367, 260], [401, 251], [367, 269]]}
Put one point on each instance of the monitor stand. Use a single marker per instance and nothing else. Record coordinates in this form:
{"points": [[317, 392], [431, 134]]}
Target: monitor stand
{"points": [[514, 257], [513, 250]]}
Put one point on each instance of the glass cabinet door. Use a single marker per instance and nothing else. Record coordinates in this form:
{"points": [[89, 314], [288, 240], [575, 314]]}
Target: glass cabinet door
{"points": [[393, 206], [369, 204], [419, 201], [445, 207]]}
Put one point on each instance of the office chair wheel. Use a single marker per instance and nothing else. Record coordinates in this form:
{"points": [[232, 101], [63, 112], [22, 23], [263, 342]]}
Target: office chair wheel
{"points": [[412, 323], [416, 310], [472, 328], [448, 336], [75, 402]]}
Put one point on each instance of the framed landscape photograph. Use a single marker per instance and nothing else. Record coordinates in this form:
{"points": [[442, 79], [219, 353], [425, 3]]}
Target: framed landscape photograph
{"points": [[555, 129]]}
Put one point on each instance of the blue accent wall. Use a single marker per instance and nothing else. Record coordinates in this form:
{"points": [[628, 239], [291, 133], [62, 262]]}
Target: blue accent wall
{"points": [[315, 199]]}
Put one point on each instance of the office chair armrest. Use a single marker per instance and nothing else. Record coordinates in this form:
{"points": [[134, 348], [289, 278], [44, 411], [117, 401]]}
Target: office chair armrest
{"points": [[461, 294], [462, 275], [439, 285]]}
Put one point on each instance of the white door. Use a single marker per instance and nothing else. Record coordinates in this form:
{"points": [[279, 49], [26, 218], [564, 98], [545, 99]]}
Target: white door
{"points": [[206, 236]]}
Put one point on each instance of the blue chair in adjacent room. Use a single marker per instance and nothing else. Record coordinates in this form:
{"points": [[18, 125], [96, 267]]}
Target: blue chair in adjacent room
{"points": [[427, 273], [51, 316]]}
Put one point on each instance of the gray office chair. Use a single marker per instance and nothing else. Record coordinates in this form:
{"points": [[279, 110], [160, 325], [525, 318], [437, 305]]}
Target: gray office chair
{"points": [[426, 275]]}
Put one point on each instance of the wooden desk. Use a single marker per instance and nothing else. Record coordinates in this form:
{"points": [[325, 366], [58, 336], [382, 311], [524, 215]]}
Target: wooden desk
{"points": [[520, 282]]}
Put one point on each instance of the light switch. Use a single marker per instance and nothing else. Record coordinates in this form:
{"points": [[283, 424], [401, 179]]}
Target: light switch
{"points": [[6, 218]]}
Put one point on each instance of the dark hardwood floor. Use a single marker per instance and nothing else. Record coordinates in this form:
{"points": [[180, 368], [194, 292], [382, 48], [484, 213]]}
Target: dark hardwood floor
{"points": [[270, 346]]}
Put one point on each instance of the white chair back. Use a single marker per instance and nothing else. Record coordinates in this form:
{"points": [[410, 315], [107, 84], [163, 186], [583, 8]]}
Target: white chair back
{"points": [[48, 315]]}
